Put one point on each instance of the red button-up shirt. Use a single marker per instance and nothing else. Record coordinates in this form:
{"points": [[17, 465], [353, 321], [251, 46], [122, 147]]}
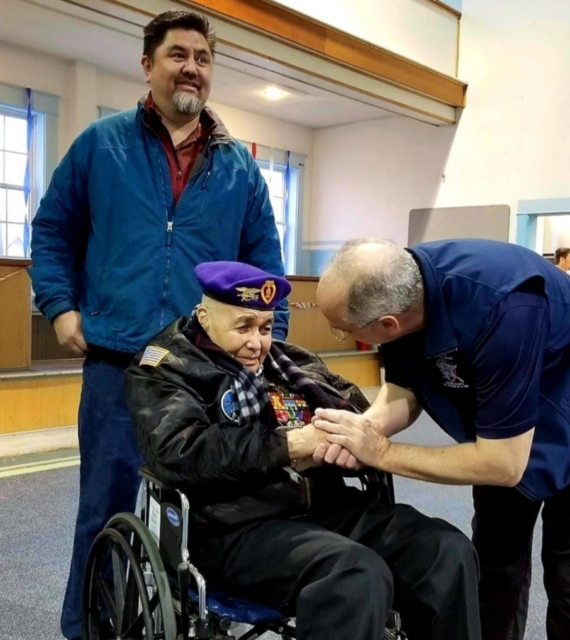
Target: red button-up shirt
{"points": [[181, 158]]}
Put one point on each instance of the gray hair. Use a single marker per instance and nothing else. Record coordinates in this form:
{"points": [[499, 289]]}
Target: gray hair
{"points": [[383, 281]]}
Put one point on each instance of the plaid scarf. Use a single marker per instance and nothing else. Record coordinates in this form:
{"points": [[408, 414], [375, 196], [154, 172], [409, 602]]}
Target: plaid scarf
{"points": [[251, 394]]}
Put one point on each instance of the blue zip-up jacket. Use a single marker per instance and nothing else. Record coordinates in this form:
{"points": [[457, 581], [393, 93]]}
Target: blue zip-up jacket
{"points": [[465, 283], [108, 241]]}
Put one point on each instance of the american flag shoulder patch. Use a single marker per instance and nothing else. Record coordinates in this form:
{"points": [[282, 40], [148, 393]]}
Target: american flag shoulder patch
{"points": [[153, 356]]}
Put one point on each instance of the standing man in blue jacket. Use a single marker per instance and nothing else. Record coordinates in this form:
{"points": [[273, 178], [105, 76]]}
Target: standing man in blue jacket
{"points": [[476, 333], [139, 200]]}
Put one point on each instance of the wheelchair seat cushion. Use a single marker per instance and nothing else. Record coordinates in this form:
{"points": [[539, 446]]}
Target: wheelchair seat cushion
{"points": [[238, 609]]}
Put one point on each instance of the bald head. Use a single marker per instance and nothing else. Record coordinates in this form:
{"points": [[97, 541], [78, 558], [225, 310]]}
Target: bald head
{"points": [[369, 279]]}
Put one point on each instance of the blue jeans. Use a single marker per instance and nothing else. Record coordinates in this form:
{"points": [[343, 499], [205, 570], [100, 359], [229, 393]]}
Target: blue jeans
{"points": [[109, 478]]}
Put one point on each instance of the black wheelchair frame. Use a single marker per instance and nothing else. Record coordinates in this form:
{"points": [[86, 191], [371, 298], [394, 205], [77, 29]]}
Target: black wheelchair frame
{"points": [[141, 585]]}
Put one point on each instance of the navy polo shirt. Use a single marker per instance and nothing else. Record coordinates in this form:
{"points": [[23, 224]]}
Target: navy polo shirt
{"points": [[494, 359]]}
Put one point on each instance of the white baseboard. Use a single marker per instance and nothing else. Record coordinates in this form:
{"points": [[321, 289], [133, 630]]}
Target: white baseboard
{"points": [[16, 444]]}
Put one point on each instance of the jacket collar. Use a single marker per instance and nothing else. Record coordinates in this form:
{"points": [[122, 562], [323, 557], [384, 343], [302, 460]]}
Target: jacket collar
{"points": [[210, 120], [440, 335]]}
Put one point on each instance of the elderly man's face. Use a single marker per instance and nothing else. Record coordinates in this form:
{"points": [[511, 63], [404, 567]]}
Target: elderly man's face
{"points": [[243, 333]]}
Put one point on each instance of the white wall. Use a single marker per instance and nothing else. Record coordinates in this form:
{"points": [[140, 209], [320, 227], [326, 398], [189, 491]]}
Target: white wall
{"points": [[512, 142], [119, 93], [416, 29], [23, 67], [42, 72], [367, 176]]}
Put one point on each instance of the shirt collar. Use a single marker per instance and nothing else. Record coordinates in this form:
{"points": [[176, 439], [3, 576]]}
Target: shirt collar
{"points": [[440, 337]]}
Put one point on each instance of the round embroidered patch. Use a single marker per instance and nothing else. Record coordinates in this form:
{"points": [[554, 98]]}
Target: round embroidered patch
{"points": [[228, 405]]}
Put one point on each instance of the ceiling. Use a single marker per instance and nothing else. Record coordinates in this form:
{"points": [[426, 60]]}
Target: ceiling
{"points": [[43, 27]]}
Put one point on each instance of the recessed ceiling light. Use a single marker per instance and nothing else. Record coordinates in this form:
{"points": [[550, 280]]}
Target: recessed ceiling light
{"points": [[274, 93]]}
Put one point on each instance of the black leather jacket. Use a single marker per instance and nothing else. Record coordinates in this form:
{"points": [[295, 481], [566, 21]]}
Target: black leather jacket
{"points": [[232, 475]]}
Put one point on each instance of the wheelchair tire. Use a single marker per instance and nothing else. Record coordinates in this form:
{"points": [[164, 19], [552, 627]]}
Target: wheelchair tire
{"points": [[133, 587]]}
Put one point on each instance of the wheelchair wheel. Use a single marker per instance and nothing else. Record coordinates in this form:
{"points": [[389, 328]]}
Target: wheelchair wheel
{"points": [[126, 592]]}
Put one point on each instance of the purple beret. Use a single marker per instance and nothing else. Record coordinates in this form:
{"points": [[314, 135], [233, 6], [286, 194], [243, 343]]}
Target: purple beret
{"points": [[241, 285]]}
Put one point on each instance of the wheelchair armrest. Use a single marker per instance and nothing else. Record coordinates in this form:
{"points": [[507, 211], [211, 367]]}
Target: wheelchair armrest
{"points": [[147, 474], [378, 484]]}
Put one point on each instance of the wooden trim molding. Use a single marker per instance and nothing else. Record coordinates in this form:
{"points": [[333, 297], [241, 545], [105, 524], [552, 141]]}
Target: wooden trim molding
{"points": [[302, 32], [15, 262], [303, 278]]}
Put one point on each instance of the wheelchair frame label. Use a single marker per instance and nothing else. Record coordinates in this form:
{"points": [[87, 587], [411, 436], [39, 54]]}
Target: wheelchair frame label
{"points": [[154, 519], [173, 517]]}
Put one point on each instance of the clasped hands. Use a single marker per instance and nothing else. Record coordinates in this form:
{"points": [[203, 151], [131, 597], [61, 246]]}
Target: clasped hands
{"points": [[338, 437]]}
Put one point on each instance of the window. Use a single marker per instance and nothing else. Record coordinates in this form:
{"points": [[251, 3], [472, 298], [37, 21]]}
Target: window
{"points": [[13, 158], [284, 209], [276, 184], [285, 184], [15, 213]]}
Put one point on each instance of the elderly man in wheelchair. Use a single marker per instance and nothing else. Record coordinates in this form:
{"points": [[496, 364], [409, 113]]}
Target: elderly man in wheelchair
{"points": [[232, 495]]}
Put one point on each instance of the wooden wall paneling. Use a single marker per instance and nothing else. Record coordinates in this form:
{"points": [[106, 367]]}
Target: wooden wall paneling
{"points": [[15, 314], [308, 328], [45, 346], [32, 403], [361, 368]]}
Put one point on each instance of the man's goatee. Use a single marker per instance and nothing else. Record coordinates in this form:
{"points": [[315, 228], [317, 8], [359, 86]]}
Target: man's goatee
{"points": [[187, 104]]}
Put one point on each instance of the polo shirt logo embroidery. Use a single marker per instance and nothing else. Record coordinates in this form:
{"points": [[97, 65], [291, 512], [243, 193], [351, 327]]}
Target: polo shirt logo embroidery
{"points": [[449, 371]]}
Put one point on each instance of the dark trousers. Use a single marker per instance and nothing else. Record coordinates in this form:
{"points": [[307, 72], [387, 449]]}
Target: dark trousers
{"points": [[108, 473], [502, 533], [342, 571]]}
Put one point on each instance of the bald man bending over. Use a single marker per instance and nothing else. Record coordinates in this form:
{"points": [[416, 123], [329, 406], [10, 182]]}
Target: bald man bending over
{"points": [[477, 333]]}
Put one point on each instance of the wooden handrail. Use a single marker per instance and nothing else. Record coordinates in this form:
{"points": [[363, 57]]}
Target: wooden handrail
{"points": [[15, 262], [302, 278]]}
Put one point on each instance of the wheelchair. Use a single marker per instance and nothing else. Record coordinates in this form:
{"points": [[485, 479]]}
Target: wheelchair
{"points": [[140, 584]]}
